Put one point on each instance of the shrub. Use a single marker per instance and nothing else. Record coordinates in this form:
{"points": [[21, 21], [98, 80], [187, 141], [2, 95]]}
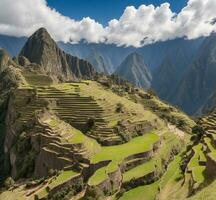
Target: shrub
{"points": [[91, 123], [9, 182], [119, 107]]}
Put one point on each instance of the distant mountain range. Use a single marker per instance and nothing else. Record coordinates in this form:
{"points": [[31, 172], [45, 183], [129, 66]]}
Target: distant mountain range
{"points": [[134, 69], [180, 71]]}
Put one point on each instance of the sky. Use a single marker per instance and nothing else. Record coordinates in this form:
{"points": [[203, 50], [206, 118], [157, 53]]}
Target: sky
{"points": [[105, 10], [121, 22]]}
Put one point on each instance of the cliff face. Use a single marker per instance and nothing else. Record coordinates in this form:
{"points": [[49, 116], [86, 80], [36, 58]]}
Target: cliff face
{"points": [[198, 82], [42, 50], [134, 69]]}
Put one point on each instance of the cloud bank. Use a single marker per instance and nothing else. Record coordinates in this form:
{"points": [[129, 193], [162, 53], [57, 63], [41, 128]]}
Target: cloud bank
{"points": [[136, 27]]}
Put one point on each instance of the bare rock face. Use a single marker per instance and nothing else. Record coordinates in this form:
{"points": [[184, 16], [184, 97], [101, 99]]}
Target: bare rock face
{"points": [[134, 69], [42, 50]]}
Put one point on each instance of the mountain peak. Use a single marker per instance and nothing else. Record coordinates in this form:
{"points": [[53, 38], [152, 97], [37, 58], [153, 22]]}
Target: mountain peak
{"points": [[41, 49], [42, 34], [134, 69]]}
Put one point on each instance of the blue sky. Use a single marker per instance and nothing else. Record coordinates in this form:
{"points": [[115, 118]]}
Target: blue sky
{"points": [[105, 10]]}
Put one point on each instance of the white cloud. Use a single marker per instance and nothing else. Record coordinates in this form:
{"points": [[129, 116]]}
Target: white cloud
{"points": [[137, 27], [23, 17]]}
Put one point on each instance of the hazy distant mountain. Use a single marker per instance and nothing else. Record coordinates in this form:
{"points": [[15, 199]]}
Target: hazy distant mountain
{"points": [[41, 49], [12, 44], [98, 62], [134, 69], [111, 54], [168, 74], [199, 81]]}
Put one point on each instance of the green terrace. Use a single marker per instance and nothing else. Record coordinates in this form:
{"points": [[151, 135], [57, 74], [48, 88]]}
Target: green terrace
{"points": [[211, 148], [197, 164], [117, 154], [139, 171], [63, 177], [148, 192]]}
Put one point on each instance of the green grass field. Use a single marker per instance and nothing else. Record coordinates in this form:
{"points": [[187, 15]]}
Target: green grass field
{"points": [[62, 177], [139, 171], [117, 154], [146, 192]]}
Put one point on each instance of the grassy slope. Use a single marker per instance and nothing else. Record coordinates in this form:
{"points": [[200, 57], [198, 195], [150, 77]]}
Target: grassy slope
{"points": [[146, 192], [140, 170], [137, 145], [136, 112]]}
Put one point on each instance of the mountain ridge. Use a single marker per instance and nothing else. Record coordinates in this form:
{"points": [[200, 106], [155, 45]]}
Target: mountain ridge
{"points": [[41, 49], [134, 69]]}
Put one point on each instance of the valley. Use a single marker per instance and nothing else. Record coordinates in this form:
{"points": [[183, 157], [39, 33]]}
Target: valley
{"points": [[69, 132]]}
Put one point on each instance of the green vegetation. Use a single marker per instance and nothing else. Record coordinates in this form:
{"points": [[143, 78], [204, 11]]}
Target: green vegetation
{"points": [[172, 171], [137, 145], [61, 178], [197, 157], [146, 192], [139, 171]]}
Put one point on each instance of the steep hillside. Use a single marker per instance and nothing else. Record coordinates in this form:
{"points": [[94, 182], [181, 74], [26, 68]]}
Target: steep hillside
{"points": [[88, 139], [167, 77], [198, 82], [98, 62], [134, 69], [208, 106], [42, 50], [195, 175]]}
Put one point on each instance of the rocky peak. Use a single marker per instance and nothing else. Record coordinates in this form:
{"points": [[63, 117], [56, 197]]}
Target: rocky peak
{"points": [[134, 69], [43, 50]]}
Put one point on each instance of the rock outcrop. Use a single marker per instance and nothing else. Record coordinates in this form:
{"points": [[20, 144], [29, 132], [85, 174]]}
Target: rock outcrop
{"points": [[42, 50], [135, 70]]}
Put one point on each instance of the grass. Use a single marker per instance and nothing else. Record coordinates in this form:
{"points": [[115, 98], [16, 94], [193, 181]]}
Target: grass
{"points": [[207, 193], [212, 154], [108, 100], [116, 154], [146, 192], [171, 171], [198, 156], [163, 111], [198, 174], [63, 177], [194, 166], [139, 171]]}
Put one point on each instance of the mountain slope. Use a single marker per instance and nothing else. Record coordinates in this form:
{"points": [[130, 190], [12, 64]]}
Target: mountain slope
{"points": [[86, 139], [98, 62], [134, 70], [42, 49], [199, 81], [167, 77], [12, 44]]}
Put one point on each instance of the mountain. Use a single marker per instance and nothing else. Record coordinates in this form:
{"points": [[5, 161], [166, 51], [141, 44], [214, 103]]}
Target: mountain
{"points": [[112, 54], [98, 62], [84, 139], [134, 69], [41, 49], [103, 138], [12, 44], [198, 81], [208, 105], [167, 76]]}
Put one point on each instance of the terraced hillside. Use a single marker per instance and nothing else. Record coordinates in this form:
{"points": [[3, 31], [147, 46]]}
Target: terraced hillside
{"points": [[82, 140], [197, 166]]}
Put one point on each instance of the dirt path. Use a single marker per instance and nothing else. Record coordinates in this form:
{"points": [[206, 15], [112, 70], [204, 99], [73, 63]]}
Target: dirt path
{"points": [[177, 131]]}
